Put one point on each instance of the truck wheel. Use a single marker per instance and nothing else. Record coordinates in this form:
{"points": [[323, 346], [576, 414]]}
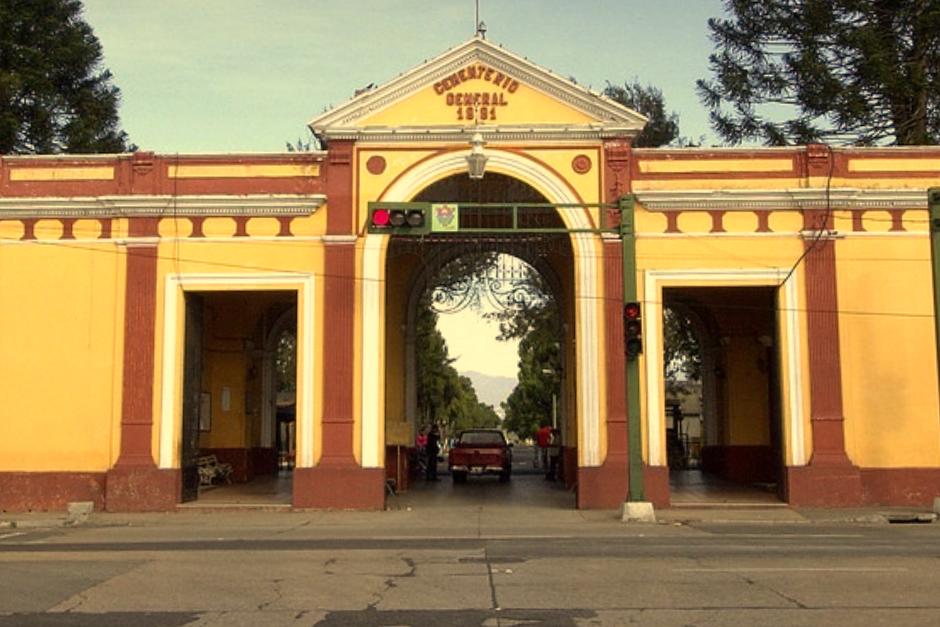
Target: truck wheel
{"points": [[459, 477], [505, 475]]}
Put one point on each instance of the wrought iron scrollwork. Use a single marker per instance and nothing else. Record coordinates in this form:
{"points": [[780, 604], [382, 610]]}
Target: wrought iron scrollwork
{"points": [[501, 282]]}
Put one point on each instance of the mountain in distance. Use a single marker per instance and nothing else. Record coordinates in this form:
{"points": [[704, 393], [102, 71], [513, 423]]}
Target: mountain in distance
{"points": [[490, 389]]}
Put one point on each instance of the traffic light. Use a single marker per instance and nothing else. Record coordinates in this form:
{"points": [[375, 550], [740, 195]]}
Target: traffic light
{"points": [[399, 218], [632, 330]]}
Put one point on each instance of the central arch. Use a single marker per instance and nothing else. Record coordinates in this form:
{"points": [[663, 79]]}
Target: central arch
{"points": [[586, 248]]}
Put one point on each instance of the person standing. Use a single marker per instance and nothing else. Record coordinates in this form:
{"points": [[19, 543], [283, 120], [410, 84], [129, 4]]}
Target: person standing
{"points": [[543, 439], [432, 448]]}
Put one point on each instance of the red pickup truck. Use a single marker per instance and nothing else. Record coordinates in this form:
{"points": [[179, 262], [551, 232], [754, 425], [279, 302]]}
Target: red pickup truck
{"points": [[480, 451]]}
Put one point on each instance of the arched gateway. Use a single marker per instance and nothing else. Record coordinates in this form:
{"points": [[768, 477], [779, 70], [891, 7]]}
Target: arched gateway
{"points": [[187, 320]]}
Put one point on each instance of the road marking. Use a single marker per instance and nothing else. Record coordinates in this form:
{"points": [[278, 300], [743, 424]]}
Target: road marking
{"points": [[12, 535], [790, 570]]}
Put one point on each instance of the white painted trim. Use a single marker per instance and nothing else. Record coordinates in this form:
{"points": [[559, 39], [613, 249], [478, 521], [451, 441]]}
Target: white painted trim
{"points": [[794, 199], [794, 367], [588, 306], [373, 338], [587, 303], [789, 308], [255, 205], [305, 401], [176, 285]]}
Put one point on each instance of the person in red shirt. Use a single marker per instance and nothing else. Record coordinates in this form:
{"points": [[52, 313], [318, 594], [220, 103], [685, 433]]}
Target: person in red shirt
{"points": [[543, 439]]}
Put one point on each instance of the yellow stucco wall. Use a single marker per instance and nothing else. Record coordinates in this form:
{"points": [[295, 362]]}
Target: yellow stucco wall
{"points": [[747, 393], [888, 350], [61, 345]]}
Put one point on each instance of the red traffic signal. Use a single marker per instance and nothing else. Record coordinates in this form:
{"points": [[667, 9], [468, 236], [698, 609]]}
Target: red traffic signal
{"points": [[632, 330], [399, 218]]}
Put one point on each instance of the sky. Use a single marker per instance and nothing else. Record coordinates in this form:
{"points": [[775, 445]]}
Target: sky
{"points": [[216, 76], [247, 75]]}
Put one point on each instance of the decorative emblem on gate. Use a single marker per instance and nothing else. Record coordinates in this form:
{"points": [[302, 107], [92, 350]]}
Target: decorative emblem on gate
{"points": [[444, 218]]}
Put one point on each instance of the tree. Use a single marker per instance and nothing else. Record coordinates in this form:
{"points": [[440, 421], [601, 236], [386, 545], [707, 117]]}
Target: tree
{"points": [[530, 402], [55, 96], [662, 128], [312, 143], [843, 71], [444, 396], [682, 354]]}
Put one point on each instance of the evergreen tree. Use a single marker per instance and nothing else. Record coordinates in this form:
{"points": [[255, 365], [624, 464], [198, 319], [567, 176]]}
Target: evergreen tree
{"points": [[801, 71], [662, 127], [55, 96]]}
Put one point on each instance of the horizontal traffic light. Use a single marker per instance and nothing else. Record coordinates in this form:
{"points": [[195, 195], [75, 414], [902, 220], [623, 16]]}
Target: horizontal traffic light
{"points": [[404, 218]]}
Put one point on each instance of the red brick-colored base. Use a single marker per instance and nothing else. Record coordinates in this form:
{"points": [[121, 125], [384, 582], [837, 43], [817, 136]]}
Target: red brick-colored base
{"points": [[900, 486], [602, 487], [824, 486], [339, 487], [656, 485], [49, 491], [143, 489]]}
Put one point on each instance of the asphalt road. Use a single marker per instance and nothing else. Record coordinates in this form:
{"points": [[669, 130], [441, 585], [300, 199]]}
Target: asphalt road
{"points": [[482, 560]]}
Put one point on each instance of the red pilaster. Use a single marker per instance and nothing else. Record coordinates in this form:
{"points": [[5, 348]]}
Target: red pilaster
{"points": [[139, 324], [606, 486], [338, 481], [135, 483], [830, 478]]}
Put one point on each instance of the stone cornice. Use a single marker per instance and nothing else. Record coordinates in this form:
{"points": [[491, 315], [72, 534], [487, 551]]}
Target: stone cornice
{"points": [[783, 200], [492, 134], [160, 206], [612, 117]]}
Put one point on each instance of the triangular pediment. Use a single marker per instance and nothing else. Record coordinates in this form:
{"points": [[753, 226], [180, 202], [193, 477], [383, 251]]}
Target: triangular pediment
{"points": [[478, 86]]}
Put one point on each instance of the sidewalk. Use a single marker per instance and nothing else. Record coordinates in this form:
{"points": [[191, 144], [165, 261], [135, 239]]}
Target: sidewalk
{"points": [[441, 522]]}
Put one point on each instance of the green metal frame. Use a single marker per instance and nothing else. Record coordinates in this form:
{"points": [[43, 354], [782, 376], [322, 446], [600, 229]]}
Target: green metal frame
{"points": [[632, 366], [508, 207]]}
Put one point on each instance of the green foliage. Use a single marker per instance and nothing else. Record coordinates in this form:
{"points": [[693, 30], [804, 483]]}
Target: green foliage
{"points": [[801, 71], [55, 96], [444, 396], [285, 362], [682, 355], [311, 144], [662, 127], [530, 403]]}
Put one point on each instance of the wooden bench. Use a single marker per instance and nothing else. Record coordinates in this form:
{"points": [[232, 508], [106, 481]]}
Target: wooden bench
{"points": [[211, 469]]}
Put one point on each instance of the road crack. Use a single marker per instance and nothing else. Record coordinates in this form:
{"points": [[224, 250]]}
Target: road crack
{"points": [[785, 597], [278, 595], [489, 574], [391, 582]]}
